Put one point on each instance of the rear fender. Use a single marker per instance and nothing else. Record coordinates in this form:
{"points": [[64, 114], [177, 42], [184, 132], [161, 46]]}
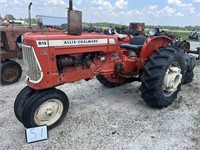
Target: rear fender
{"points": [[153, 44]]}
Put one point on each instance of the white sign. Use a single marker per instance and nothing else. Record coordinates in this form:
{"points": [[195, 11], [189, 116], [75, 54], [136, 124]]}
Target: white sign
{"points": [[36, 134]]}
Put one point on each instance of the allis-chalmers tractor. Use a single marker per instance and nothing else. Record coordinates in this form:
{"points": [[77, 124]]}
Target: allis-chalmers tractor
{"points": [[52, 59]]}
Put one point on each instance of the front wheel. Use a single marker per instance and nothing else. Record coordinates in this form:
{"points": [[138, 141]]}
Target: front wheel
{"points": [[162, 77], [47, 107], [23, 96]]}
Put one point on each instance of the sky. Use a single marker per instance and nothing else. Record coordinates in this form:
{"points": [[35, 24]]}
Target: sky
{"points": [[151, 12]]}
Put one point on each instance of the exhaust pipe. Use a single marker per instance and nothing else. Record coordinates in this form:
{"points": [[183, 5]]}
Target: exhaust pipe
{"points": [[29, 14], [70, 5]]}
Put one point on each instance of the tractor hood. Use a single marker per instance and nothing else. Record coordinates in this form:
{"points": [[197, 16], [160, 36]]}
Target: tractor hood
{"points": [[52, 39]]}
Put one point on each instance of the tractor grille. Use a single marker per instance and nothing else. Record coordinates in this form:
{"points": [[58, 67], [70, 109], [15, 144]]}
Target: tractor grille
{"points": [[32, 67]]}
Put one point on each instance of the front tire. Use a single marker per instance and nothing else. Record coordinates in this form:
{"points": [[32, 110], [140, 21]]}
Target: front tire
{"points": [[11, 72], [47, 107], [20, 101], [162, 77]]}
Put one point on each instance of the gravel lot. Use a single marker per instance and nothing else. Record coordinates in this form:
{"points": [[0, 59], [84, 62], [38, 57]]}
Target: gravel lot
{"points": [[102, 118]]}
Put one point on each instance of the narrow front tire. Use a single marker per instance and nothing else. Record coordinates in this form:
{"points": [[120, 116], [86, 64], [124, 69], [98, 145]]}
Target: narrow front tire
{"points": [[48, 107]]}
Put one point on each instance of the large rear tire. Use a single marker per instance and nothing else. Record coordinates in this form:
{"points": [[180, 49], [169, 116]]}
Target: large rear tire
{"points": [[162, 77], [48, 107], [11, 72]]}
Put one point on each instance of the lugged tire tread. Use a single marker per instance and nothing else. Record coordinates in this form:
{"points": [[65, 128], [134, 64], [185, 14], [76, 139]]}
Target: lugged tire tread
{"points": [[152, 78]]}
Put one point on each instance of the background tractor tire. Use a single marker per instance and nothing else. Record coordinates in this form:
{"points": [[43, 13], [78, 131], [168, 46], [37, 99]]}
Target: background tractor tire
{"points": [[20, 101], [48, 107], [153, 88], [189, 75], [190, 63], [11, 72], [107, 83]]}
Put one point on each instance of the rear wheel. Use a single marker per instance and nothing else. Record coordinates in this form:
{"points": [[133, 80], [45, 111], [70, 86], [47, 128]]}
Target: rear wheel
{"points": [[47, 107], [108, 83], [11, 72], [20, 101], [162, 77]]}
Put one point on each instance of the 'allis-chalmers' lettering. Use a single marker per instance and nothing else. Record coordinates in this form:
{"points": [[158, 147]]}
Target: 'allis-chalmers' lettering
{"points": [[74, 42]]}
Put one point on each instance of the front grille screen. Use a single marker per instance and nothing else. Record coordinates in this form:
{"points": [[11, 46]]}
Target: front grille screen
{"points": [[32, 66]]}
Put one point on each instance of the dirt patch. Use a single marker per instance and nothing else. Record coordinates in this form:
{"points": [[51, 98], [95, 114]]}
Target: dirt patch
{"points": [[177, 103], [195, 137], [193, 87]]}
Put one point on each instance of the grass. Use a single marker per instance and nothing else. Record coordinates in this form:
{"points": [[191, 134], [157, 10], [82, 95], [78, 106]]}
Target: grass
{"points": [[182, 33]]}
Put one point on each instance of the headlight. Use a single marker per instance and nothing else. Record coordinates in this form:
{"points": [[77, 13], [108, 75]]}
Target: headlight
{"points": [[152, 32]]}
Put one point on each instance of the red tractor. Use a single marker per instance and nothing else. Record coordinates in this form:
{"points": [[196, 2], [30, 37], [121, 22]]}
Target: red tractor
{"points": [[52, 59]]}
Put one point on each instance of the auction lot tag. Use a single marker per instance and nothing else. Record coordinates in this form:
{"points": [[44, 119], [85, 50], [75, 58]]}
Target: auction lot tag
{"points": [[36, 134]]}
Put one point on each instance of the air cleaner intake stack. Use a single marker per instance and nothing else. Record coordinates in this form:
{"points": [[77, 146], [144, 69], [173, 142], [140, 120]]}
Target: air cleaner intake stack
{"points": [[74, 20]]}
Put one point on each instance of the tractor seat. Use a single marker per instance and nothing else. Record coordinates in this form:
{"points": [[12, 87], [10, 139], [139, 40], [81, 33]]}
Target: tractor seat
{"points": [[135, 43]]}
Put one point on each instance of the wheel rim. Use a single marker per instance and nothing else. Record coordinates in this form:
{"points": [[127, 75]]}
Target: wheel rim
{"points": [[10, 73], [172, 79], [48, 112]]}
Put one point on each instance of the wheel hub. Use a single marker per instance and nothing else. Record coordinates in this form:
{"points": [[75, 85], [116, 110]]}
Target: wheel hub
{"points": [[48, 112], [10, 73], [172, 79]]}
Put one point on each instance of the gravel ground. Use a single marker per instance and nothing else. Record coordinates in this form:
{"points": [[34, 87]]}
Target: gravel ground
{"points": [[118, 118]]}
